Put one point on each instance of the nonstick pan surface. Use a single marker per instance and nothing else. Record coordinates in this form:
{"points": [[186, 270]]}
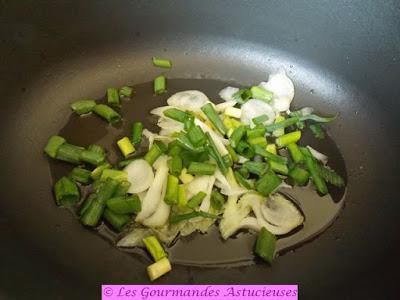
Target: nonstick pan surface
{"points": [[342, 56]]}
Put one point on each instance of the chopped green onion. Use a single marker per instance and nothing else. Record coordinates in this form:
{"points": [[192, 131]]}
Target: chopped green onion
{"points": [[171, 194], [213, 117], [96, 173], [214, 153], [182, 199], [91, 157], [299, 175], [196, 200], [265, 245], [159, 268], [81, 175], [237, 135], [268, 183], [125, 162], [174, 219], [87, 203], [317, 131], [262, 141], [313, 168], [196, 136], [98, 149], [106, 191], [258, 131], [260, 119], [185, 143], [242, 181], [69, 153], [137, 130], [227, 160], [126, 91], [244, 172], [113, 97], [269, 156], [176, 114], [175, 165], [271, 148], [107, 113], [288, 138], [258, 168], [331, 176], [160, 85], [118, 175], [117, 221], [188, 157], [125, 205], [92, 214], [282, 124], [153, 154], [198, 168], [122, 188], [174, 148], [189, 122], [66, 192], [125, 146], [217, 200], [319, 119], [295, 152], [232, 153], [154, 247], [83, 106], [53, 144], [280, 131], [162, 63], [245, 150], [260, 93], [279, 168]]}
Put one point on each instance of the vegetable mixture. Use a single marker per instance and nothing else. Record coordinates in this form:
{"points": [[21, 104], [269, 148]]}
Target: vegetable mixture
{"points": [[210, 163]]}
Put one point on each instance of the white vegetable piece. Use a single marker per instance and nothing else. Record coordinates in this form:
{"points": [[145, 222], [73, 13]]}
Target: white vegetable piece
{"points": [[159, 268], [233, 112], [280, 211], [234, 214], [159, 111], [226, 187], [205, 204], [198, 184], [154, 194], [221, 107], [155, 137], [140, 175], [228, 92], [318, 155], [255, 108], [191, 100], [160, 217], [134, 238], [165, 123], [282, 88]]}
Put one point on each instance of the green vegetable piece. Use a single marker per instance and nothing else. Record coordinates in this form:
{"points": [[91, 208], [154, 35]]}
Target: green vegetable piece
{"points": [[278, 167], [98, 149], [171, 195], [53, 144], [242, 180], [295, 152], [232, 153], [117, 221], [87, 203], [66, 192], [91, 157], [174, 219], [237, 135], [270, 156], [96, 173], [299, 175], [265, 245], [214, 153], [107, 190], [268, 183], [126, 91], [160, 85], [282, 124], [185, 143], [92, 214], [196, 136], [153, 154], [107, 113], [154, 247], [176, 114], [83, 106], [137, 130], [182, 199], [288, 138], [118, 175], [125, 204], [162, 63], [331, 176], [260, 93], [260, 119], [212, 115], [198, 168], [69, 153], [217, 200], [258, 168], [196, 200], [317, 131], [313, 168], [258, 131], [81, 175], [113, 97], [175, 165], [122, 188]]}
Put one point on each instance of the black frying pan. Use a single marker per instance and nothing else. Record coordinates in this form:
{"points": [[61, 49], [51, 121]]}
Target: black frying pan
{"points": [[343, 56]]}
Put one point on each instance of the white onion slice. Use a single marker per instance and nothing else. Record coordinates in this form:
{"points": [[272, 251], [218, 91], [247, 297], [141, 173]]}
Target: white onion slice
{"points": [[140, 175], [255, 108], [221, 107], [228, 92], [318, 155], [134, 238], [191, 100]]}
